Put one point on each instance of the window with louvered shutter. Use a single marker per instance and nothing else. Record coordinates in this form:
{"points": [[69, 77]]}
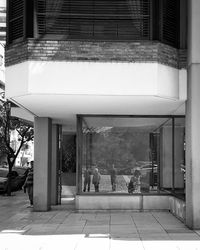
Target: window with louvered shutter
{"points": [[170, 20], [16, 19], [94, 19]]}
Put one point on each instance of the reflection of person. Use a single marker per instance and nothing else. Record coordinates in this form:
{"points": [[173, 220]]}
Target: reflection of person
{"points": [[87, 179], [134, 184], [96, 179], [131, 185], [137, 176], [113, 177], [29, 183]]}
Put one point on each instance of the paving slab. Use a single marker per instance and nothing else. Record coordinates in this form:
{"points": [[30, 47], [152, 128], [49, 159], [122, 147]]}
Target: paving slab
{"points": [[124, 229]]}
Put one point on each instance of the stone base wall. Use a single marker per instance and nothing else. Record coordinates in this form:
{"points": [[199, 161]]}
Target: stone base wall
{"points": [[122, 202], [177, 208]]}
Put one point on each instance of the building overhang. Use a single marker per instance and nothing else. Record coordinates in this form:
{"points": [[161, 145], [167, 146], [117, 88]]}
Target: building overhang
{"points": [[60, 90]]}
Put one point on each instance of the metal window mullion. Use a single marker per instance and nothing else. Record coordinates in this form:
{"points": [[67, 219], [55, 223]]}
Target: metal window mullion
{"points": [[79, 154], [158, 161], [173, 155]]}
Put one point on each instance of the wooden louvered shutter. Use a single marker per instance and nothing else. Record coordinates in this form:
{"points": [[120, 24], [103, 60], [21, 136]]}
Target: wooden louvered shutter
{"points": [[170, 22], [16, 14], [20, 20]]}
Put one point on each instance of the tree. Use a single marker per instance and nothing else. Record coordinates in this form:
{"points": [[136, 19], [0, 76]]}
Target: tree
{"points": [[9, 123]]}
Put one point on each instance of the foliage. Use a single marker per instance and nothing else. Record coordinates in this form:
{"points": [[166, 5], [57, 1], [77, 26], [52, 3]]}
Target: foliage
{"points": [[123, 147], [8, 124], [69, 154]]}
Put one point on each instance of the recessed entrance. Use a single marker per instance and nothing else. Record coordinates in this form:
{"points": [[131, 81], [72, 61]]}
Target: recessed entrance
{"points": [[68, 175]]}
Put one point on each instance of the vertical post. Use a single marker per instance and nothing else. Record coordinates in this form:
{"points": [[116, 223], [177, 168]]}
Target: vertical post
{"points": [[79, 154], [173, 167], [87, 150], [60, 166], [42, 164], [90, 148], [55, 164], [158, 160]]}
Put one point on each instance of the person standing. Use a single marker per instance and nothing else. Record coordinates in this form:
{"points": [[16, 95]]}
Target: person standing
{"points": [[29, 183], [87, 179], [113, 177], [131, 185], [96, 179]]}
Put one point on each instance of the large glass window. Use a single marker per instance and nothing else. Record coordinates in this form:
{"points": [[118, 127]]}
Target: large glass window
{"points": [[131, 154], [96, 20]]}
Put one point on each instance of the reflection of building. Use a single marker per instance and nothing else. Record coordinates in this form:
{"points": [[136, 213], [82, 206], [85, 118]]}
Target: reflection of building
{"points": [[109, 58], [2, 52], [2, 21], [2, 43], [26, 153]]}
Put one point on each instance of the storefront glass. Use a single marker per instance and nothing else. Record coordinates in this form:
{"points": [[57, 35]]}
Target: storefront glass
{"points": [[128, 154]]}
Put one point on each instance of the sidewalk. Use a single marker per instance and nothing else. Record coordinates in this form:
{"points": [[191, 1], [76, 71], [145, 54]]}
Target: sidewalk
{"points": [[58, 229]]}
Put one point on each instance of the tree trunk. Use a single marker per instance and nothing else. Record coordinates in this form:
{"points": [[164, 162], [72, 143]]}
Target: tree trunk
{"points": [[9, 183]]}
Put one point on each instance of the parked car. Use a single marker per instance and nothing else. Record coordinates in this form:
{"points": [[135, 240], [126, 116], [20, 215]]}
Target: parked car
{"points": [[18, 177]]}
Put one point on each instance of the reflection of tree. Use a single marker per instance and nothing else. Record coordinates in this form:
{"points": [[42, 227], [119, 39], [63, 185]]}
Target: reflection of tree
{"points": [[69, 155], [120, 146], [25, 133]]}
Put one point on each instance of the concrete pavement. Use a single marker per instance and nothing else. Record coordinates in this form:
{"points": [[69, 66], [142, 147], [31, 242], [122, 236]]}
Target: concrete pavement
{"points": [[63, 228]]}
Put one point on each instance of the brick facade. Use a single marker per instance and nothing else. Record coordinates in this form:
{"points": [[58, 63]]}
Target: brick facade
{"points": [[143, 51]]}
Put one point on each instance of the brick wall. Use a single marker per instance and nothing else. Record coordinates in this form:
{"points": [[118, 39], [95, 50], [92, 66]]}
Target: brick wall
{"points": [[144, 51]]}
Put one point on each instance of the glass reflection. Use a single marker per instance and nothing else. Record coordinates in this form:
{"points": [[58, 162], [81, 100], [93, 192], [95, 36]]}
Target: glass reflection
{"points": [[128, 155]]}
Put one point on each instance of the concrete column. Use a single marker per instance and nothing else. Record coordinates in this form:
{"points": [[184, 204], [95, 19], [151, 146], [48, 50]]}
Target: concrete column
{"points": [[42, 164], [193, 118], [55, 164], [178, 156], [166, 157]]}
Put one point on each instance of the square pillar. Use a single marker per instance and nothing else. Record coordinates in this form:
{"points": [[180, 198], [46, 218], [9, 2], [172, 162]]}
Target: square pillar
{"points": [[42, 164], [166, 157], [178, 156], [193, 118], [55, 166], [193, 148]]}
